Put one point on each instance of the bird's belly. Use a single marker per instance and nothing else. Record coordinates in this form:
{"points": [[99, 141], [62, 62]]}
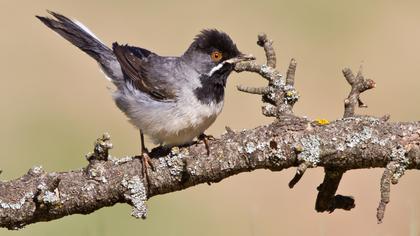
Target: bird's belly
{"points": [[174, 123], [175, 133], [182, 123]]}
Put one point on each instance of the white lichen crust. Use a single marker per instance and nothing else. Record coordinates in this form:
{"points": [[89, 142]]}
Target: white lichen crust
{"points": [[136, 195], [400, 161], [310, 151]]}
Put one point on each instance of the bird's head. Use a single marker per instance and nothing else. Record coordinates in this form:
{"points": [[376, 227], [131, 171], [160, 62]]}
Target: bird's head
{"points": [[214, 54]]}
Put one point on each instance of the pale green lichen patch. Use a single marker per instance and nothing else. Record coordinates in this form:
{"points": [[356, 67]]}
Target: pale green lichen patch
{"points": [[374, 120], [97, 172], [136, 194], [310, 150], [226, 165], [400, 161], [381, 142], [261, 146], [51, 197], [250, 147], [88, 187], [277, 156], [352, 119], [266, 71], [46, 196], [269, 110], [16, 205], [340, 147], [279, 81], [174, 162], [271, 96], [36, 170], [122, 160], [356, 138], [291, 94], [194, 168]]}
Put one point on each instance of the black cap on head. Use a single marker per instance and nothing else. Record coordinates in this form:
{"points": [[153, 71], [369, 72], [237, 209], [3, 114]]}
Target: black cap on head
{"points": [[211, 39]]}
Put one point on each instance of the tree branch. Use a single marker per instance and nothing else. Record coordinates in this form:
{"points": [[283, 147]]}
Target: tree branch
{"points": [[353, 142]]}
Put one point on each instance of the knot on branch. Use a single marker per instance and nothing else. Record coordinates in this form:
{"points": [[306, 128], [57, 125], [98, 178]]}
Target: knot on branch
{"points": [[101, 149], [98, 157], [48, 195], [36, 171], [358, 85], [280, 94]]}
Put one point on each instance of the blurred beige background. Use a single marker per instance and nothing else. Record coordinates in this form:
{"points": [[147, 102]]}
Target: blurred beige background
{"points": [[54, 103]]}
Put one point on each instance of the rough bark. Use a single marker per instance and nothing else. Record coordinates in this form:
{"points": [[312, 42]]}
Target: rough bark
{"points": [[353, 142]]}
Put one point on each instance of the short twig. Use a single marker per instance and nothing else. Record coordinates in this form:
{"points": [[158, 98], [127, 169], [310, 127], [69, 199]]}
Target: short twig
{"points": [[252, 66], [229, 130], [101, 149], [290, 77], [299, 173], [358, 85], [270, 54], [252, 90], [385, 190]]}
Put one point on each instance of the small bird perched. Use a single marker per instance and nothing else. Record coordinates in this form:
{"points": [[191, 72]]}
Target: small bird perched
{"points": [[171, 99]]}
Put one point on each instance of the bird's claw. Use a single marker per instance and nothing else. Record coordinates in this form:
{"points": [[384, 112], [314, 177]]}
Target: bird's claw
{"points": [[146, 162], [205, 139]]}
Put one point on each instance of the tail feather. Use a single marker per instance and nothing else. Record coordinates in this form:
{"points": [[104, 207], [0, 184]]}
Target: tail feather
{"points": [[80, 36]]}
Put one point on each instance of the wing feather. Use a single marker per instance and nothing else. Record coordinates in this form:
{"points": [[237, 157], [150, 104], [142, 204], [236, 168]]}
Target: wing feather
{"points": [[134, 63]]}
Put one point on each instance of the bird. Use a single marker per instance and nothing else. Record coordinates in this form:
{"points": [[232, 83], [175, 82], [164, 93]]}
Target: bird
{"points": [[171, 99]]}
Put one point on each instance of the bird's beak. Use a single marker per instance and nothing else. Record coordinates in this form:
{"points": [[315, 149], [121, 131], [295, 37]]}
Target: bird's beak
{"points": [[242, 57]]}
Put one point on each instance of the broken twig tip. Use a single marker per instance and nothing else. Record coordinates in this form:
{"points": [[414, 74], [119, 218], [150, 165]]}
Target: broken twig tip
{"points": [[299, 173], [358, 85]]}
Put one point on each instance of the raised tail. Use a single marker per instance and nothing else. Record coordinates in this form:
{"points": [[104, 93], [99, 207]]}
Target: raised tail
{"points": [[80, 36]]}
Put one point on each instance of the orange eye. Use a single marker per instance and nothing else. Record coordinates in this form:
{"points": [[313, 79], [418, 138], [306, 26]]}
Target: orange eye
{"points": [[216, 56]]}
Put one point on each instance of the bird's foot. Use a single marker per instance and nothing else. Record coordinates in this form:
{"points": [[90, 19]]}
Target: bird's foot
{"points": [[205, 139], [146, 162]]}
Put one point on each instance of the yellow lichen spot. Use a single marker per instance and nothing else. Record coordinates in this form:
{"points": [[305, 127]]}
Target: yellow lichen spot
{"points": [[175, 150], [289, 93], [322, 121], [298, 148]]}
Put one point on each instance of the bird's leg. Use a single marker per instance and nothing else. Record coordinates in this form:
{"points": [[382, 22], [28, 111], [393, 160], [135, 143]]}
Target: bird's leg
{"points": [[205, 138], [145, 158]]}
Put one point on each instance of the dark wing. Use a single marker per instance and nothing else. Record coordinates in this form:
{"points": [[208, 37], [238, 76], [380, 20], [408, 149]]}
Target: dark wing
{"points": [[135, 64]]}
